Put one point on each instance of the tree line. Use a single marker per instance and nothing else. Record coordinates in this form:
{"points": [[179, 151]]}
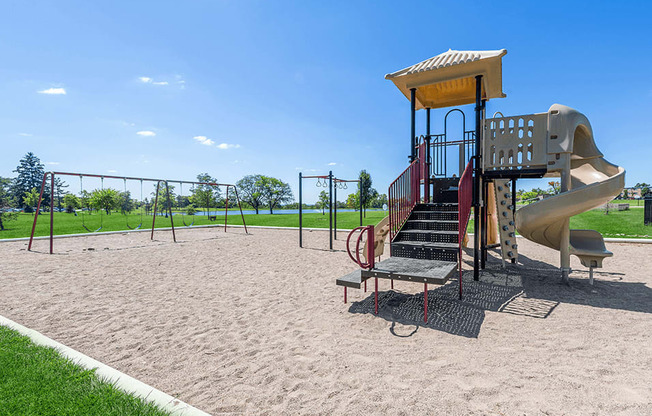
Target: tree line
{"points": [[22, 192]]}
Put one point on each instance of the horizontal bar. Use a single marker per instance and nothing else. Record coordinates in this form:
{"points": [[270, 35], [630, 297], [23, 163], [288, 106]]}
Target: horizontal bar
{"points": [[133, 178]]}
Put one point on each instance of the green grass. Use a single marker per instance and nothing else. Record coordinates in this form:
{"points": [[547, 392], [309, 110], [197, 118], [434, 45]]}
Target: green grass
{"points": [[617, 224], [36, 380], [65, 223]]}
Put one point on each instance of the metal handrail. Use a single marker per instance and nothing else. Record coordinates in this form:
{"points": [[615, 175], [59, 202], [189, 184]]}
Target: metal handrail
{"points": [[404, 193]]}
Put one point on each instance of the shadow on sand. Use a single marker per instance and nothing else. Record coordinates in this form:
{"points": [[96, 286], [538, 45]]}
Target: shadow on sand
{"points": [[531, 288]]}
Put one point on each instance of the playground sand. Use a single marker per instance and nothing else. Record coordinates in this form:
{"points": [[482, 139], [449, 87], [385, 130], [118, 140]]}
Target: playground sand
{"points": [[237, 324]]}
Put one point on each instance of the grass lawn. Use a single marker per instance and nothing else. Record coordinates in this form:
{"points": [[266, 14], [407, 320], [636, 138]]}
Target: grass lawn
{"points": [[65, 223], [617, 224], [36, 380]]}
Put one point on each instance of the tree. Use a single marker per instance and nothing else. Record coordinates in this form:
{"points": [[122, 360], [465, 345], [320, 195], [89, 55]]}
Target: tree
{"points": [[6, 202], [71, 202], [379, 201], [205, 195], [275, 192], [323, 201], [125, 202], [107, 199], [625, 194], [30, 175], [162, 205], [30, 200], [251, 190], [368, 193], [352, 201], [59, 190], [555, 187]]}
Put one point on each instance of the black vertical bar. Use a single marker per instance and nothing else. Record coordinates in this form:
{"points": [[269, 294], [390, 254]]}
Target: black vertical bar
{"points": [[360, 197], [426, 180], [476, 179], [330, 208], [513, 203], [300, 212], [335, 212], [413, 126], [483, 226]]}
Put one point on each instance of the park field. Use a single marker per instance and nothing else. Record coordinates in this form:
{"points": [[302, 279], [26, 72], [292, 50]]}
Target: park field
{"points": [[65, 223], [623, 224]]}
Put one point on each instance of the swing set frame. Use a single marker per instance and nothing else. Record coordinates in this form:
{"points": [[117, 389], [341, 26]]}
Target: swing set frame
{"points": [[52, 175]]}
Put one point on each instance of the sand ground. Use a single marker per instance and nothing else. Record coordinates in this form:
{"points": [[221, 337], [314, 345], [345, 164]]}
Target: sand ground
{"points": [[251, 324]]}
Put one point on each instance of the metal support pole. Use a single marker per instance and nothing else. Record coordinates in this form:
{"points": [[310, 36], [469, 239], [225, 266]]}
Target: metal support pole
{"points": [[226, 207], [344, 294], [330, 208], [413, 126], [167, 192], [51, 213], [425, 302], [376, 297], [38, 209], [300, 212], [335, 213], [426, 180], [235, 189], [158, 185], [513, 203], [483, 227], [360, 198], [564, 240], [476, 179]]}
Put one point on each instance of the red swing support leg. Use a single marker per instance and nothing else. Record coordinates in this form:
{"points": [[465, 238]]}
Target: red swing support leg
{"points": [[38, 210], [425, 302]]}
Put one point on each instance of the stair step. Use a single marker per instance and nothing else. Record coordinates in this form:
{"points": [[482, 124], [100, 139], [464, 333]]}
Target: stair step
{"points": [[437, 206], [434, 236], [434, 215], [439, 225], [425, 251]]}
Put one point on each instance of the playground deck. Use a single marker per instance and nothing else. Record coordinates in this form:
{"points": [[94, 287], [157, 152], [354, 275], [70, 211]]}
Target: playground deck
{"points": [[237, 324]]}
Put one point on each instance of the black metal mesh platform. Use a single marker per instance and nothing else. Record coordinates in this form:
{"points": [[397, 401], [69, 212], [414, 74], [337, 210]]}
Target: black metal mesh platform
{"points": [[412, 270]]}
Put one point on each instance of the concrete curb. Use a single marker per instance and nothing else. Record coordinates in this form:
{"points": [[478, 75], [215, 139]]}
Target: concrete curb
{"points": [[120, 380], [344, 230]]}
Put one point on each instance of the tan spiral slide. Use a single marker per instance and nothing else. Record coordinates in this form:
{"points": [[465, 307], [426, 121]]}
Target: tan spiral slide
{"points": [[587, 181]]}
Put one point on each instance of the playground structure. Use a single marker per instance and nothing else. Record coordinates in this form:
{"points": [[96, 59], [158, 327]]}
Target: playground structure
{"points": [[158, 182], [430, 206], [333, 184]]}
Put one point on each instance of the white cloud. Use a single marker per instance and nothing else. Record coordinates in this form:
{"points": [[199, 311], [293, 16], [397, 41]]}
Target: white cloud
{"points": [[51, 163], [204, 140], [146, 133], [25, 134], [332, 164], [225, 146], [146, 80], [53, 91], [160, 83], [112, 171], [150, 80]]}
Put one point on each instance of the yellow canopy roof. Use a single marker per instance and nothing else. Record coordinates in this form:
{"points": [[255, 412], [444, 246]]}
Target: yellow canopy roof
{"points": [[448, 79]]}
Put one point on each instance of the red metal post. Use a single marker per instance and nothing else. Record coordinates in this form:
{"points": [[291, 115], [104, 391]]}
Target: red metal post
{"points": [[344, 294], [376, 297], [240, 207], [158, 184], [38, 209], [425, 302], [226, 208], [51, 213], [365, 286]]}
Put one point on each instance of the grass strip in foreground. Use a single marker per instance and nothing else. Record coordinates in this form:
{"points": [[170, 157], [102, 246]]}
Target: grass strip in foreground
{"points": [[37, 380]]}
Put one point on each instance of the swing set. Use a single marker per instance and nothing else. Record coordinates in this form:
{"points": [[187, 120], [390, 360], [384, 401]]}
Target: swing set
{"points": [[159, 182], [333, 184]]}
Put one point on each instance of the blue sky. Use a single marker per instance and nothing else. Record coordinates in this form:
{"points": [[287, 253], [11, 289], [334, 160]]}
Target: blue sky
{"points": [[171, 89]]}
